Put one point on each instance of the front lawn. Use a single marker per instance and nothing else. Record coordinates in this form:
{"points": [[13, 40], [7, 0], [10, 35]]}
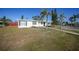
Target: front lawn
{"points": [[76, 31], [37, 39]]}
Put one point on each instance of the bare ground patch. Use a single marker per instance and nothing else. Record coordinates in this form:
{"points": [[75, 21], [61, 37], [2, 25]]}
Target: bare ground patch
{"points": [[12, 38]]}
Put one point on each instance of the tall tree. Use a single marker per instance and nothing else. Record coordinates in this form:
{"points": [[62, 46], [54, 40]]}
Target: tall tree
{"points": [[22, 17], [4, 17], [44, 15], [54, 17], [61, 19], [73, 19]]}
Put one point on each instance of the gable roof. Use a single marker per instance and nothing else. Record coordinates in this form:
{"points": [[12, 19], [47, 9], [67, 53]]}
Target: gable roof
{"points": [[32, 20]]}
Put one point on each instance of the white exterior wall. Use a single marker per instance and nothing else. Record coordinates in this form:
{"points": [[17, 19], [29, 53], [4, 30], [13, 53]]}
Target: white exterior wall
{"points": [[22, 25], [38, 24], [28, 24]]}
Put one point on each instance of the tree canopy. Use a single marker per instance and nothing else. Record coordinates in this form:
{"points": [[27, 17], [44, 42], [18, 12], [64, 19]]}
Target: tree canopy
{"points": [[54, 17]]}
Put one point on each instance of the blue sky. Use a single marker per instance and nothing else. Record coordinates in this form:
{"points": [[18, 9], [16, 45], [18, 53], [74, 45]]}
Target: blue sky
{"points": [[16, 13]]}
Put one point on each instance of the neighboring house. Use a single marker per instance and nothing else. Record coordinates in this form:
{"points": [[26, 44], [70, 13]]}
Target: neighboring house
{"points": [[13, 24], [22, 23], [1, 23]]}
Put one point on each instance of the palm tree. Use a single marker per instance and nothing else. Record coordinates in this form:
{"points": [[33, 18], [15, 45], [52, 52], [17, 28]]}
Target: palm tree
{"points": [[44, 14]]}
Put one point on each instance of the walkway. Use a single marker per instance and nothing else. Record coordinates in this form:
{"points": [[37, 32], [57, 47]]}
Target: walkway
{"points": [[65, 31]]}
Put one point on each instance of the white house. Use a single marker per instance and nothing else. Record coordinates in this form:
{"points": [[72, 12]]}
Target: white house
{"points": [[22, 23]]}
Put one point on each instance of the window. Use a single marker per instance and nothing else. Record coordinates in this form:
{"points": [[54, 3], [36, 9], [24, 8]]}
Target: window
{"points": [[34, 22], [23, 23], [40, 22]]}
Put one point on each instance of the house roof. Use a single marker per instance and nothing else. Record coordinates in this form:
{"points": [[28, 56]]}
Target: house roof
{"points": [[1, 19], [22, 19], [32, 20]]}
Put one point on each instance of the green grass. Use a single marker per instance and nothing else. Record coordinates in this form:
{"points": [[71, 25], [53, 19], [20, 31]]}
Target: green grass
{"points": [[76, 31], [35, 39]]}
